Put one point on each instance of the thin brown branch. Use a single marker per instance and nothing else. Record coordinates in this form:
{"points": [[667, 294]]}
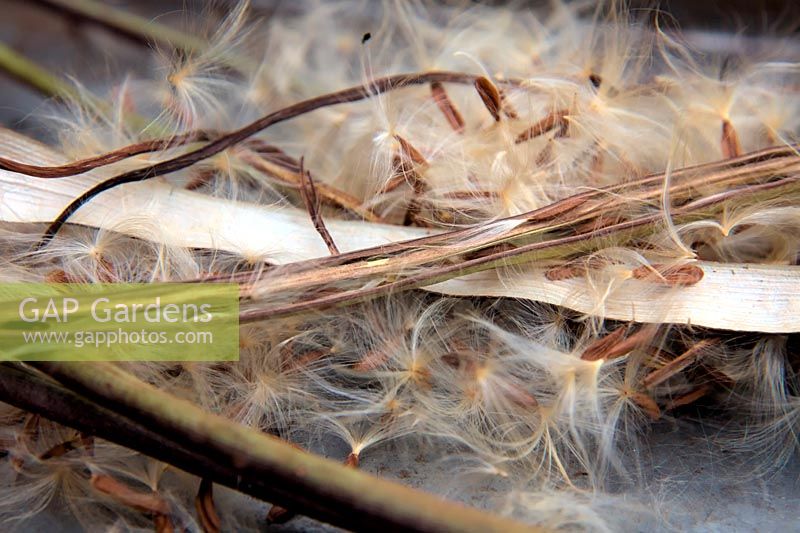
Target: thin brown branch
{"points": [[312, 205], [352, 94], [91, 163], [287, 170]]}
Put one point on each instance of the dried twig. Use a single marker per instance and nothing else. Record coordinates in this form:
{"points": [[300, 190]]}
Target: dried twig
{"points": [[444, 262], [85, 165], [312, 205], [352, 94]]}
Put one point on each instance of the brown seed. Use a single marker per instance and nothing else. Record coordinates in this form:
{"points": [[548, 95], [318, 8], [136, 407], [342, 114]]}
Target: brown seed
{"points": [[489, 95], [521, 397], [597, 349], [730, 141], [163, 524], [675, 276], [279, 515], [689, 397], [560, 273], [616, 343], [372, 360], [447, 107], [60, 276], [61, 449], [403, 173], [305, 359], [352, 460], [647, 403], [148, 502], [410, 152], [470, 195], [550, 122], [206, 510], [106, 271], [687, 358], [508, 109]]}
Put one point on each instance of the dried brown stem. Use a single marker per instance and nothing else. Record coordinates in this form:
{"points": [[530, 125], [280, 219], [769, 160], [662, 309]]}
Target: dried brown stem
{"points": [[312, 205], [91, 163], [353, 94], [449, 260], [287, 170]]}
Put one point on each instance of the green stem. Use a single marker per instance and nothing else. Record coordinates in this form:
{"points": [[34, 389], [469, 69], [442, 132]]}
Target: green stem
{"points": [[328, 490]]}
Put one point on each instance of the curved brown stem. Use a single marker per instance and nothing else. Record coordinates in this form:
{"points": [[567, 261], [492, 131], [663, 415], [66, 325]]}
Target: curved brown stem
{"points": [[91, 163], [352, 94]]}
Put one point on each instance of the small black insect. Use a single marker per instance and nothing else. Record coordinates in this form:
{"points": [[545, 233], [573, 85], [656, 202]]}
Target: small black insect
{"points": [[367, 36]]}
